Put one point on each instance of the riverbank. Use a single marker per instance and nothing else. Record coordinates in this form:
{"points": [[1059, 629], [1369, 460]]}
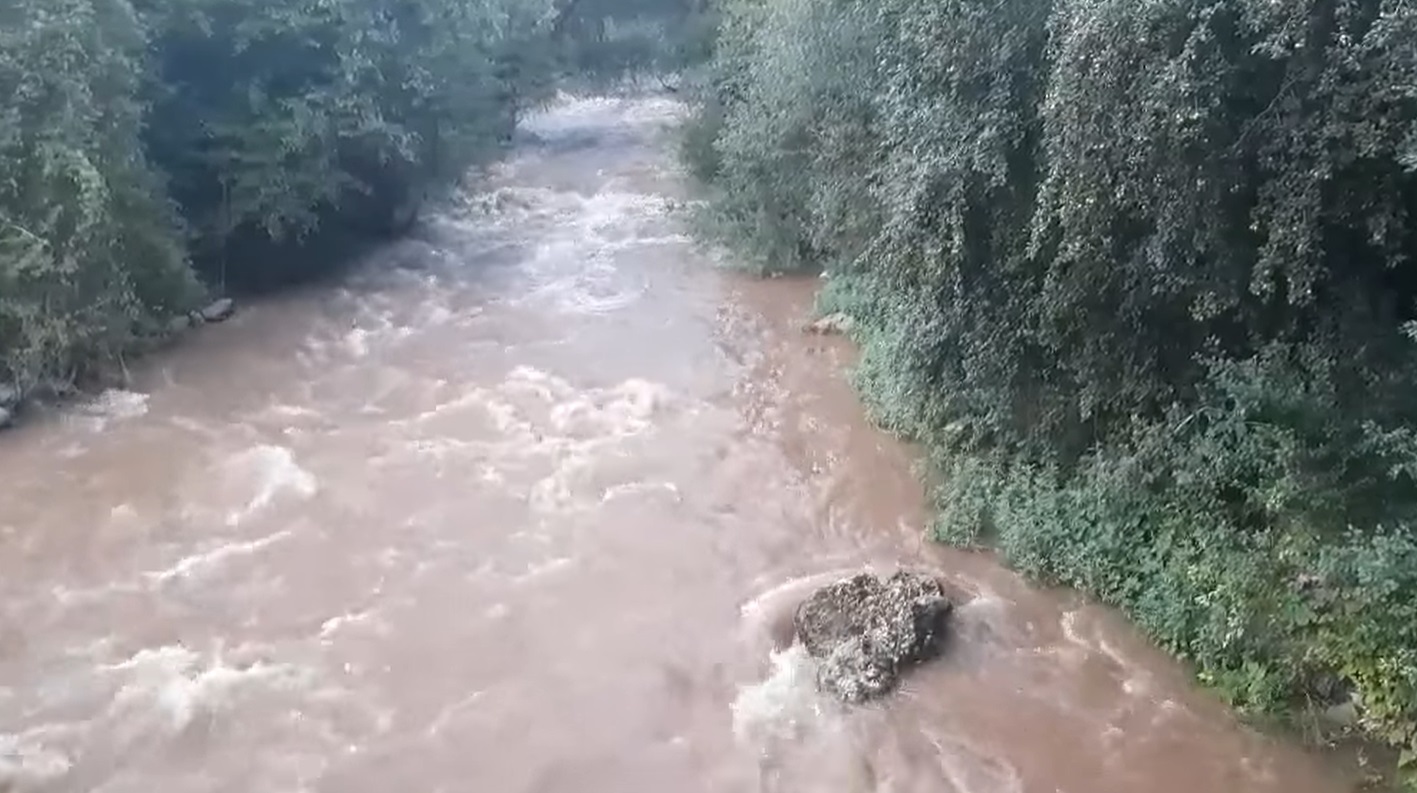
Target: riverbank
{"points": [[1127, 296], [979, 502], [14, 401]]}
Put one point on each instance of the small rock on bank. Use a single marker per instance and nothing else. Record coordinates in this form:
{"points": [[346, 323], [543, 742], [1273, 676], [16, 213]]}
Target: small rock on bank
{"points": [[832, 324], [9, 400], [866, 632], [218, 311]]}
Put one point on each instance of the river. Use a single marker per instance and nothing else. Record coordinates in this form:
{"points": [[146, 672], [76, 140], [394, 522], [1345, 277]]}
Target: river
{"points": [[520, 505]]}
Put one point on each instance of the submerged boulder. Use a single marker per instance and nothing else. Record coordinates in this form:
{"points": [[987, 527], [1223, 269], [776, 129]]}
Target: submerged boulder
{"points": [[866, 632]]}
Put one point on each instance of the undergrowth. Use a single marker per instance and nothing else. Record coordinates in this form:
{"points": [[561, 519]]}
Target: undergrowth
{"points": [[1139, 277]]}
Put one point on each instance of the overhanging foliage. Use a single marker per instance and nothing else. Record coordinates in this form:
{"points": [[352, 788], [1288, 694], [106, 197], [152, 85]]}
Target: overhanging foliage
{"points": [[1138, 274]]}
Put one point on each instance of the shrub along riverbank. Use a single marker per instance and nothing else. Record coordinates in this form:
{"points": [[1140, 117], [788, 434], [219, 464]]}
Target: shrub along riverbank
{"points": [[1139, 276]]}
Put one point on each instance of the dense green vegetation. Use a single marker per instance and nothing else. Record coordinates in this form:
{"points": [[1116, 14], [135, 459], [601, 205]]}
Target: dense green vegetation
{"points": [[145, 143], [154, 151], [1139, 275]]}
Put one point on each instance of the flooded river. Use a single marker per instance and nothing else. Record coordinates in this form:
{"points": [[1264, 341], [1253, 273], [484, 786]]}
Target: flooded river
{"points": [[519, 507]]}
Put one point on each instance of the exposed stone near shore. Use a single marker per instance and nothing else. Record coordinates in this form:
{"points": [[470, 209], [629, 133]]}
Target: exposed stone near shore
{"points": [[9, 401], [866, 632], [219, 311], [832, 324]]}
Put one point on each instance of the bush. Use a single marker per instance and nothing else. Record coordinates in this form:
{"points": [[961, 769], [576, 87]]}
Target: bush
{"points": [[1138, 275], [1231, 534]]}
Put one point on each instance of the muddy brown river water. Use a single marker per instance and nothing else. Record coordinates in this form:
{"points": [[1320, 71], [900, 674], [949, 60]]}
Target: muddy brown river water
{"points": [[520, 507]]}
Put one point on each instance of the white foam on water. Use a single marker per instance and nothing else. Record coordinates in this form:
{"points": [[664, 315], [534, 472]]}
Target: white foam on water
{"points": [[540, 569], [556, 493], [70, 597], [970, 769], [497, 611], [440, 449], [168, 688], [113, 405], [554, 443], [356, 342], [338, 623], [285, 413], [1136, 681], [198, 564], [570, 113], [575, 271], [436, 315], [509, 205], [783, 705], [273, 472], [28, 765], [638, 488], [627, 408], [123, 516], [449, 714]]}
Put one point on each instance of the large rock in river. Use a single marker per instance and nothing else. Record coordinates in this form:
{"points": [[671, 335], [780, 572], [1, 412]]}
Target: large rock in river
{"points": [[865, 632]]}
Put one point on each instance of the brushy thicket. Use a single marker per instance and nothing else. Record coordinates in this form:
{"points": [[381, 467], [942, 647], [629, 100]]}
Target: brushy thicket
{"points": [[153, 149], [1138, 274]]}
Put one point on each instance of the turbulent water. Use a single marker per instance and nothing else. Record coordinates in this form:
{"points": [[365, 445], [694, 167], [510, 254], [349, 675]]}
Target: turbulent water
{"points": [[523, 506]]}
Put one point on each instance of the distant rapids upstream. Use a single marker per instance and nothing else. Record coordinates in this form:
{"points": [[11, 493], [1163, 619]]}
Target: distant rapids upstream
{"points": [[517, 508]]}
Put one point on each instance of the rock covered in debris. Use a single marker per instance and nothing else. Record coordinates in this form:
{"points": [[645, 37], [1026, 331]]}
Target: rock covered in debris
{"points": [[866, 632]]}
